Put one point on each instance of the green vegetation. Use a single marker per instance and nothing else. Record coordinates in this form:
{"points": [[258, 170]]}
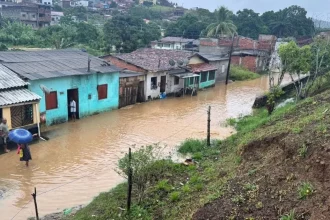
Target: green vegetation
{"points": [[191, 146], [238, 73], [290, 216], [305, 190], [303, 150], [176, 191]]}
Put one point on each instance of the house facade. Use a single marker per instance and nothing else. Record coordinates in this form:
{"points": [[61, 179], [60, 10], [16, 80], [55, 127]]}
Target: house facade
{"points": [[59, 75], [155, 64], [172, 43], [219, 61], [165, 71], [56, 17], [17, 104], [249, 53], [131, 88], [35, 15]]}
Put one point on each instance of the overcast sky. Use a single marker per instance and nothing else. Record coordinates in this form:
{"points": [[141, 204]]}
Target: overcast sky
{"points": [[315, 8]]}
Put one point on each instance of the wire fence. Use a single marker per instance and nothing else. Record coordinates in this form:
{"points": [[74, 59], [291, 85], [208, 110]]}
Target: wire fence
{"points": [[94, 170]]}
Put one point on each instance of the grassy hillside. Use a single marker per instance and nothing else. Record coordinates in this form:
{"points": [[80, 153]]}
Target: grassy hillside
{"points": [[273, 165]]}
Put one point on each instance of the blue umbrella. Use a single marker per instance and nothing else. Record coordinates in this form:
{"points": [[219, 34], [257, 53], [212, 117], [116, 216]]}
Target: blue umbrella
{"points": [[20, 136]]}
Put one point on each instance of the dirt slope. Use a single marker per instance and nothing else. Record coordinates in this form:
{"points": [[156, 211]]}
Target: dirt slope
{"points": [[275, 167]]}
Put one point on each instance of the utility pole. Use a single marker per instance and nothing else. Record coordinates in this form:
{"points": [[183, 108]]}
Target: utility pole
{"points": [[229, 63], [34, 195], [209, 127], [129, 190]]}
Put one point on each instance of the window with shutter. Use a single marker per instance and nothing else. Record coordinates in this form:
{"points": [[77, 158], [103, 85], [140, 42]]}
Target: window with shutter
{"points": [[51, 100], [102, 91]]}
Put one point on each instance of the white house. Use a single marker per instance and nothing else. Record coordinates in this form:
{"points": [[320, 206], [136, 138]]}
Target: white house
{"points": [[160, 75], [46, 2], [79, 4], [56, 16], [172, 43]]}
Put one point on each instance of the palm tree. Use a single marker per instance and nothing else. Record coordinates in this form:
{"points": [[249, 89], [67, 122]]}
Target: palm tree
{"points": [[223, 26]]}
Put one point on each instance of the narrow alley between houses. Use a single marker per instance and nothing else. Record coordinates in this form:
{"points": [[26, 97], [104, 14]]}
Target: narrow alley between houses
{"points": [[79, 159]]}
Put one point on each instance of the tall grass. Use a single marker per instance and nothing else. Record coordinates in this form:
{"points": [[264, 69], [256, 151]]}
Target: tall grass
{"points": [[191, 146], [239, 73]]}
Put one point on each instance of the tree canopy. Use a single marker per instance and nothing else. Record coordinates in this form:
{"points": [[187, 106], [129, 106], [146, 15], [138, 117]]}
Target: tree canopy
{"points": [[127, 33]]}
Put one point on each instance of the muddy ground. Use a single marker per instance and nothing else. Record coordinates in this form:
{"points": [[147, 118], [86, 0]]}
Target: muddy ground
{"points": [[269, 178]]}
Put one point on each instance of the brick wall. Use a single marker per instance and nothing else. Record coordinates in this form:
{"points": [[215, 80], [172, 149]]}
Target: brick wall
{"points": [[235, 60], [249, 62], [122, 64]]}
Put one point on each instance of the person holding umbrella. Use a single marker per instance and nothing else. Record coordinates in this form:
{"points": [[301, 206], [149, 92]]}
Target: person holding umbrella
{"points": [[22, 137]]}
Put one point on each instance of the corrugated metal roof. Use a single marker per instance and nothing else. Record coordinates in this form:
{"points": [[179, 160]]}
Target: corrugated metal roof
{"points": [[16, 96], [9, 79], [213, 57], [127, 73], [35, 65]]}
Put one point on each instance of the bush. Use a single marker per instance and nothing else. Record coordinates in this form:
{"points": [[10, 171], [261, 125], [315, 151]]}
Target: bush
{"points": [[163, 185], [192, 146], [238, 73], [147, 168]]}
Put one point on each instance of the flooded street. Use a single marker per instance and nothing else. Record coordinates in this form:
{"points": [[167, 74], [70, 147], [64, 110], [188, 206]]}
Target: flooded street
{"points": [[78, 161]]}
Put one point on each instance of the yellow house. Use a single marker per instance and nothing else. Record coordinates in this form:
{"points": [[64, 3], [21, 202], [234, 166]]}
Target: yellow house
{"points": [[18, 105]]}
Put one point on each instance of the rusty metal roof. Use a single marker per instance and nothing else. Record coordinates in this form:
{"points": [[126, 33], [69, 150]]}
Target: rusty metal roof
{"points": [[34, 65], [202, 67], [9, 79], [16, 96]]}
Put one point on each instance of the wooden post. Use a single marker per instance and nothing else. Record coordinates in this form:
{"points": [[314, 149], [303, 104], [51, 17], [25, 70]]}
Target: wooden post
{"points": [[229, 62], [209, 127], [129, 192], [34, 195]]}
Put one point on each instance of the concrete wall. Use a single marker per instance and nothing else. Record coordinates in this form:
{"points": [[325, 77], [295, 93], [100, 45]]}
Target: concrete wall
{"points": [[87, 86], [171, 88], [261, 101], [222, 65], [154, 93], [208, 83]]}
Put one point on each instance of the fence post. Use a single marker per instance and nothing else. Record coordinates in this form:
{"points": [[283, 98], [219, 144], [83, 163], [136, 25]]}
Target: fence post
{"points": [[209, 127], [129, 193], [34, 195]]}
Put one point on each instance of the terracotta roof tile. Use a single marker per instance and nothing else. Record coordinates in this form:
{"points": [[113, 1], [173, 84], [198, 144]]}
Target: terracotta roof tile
{"points": [[202, 67], [154, 59]]}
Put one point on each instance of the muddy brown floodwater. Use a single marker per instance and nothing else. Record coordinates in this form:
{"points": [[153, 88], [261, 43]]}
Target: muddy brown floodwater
{"points": [[78, 161]]}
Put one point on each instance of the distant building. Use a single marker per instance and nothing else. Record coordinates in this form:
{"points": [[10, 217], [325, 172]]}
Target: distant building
{"points": [[35, 15], [56, 17], [154, 2], [79, 3], [65, 4], [171, 43], [45, 2], [249, 53]]}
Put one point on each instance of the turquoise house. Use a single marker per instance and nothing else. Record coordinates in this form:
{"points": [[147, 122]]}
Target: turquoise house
{"points": [[58, 76], [206, 76]]}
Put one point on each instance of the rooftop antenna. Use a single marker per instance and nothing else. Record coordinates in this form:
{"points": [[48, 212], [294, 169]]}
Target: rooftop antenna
{"points": [[89, 64], [171, 62]]}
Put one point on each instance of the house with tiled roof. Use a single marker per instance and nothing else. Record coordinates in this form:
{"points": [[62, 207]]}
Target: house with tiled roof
{"points": [[166, 71]]}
